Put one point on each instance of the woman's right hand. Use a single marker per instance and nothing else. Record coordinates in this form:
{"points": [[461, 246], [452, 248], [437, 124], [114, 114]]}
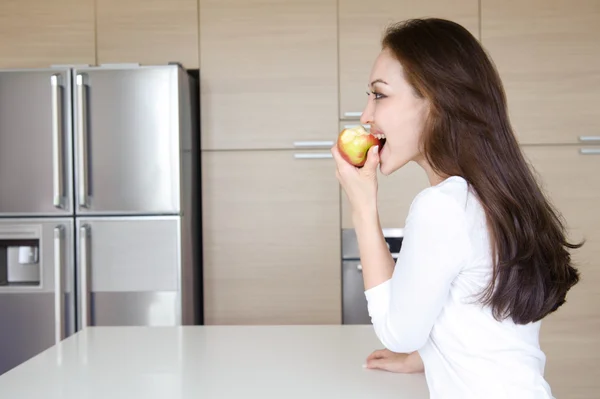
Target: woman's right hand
{"points": [[387, 360]]}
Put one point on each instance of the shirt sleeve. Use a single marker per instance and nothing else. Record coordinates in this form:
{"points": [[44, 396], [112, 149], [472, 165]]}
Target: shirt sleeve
{"points": [[435, 246]]}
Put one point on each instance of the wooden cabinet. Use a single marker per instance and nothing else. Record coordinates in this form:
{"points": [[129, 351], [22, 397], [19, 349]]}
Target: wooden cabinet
{"points": [[394, 196], [40, 33], [148, 31], [361, 27], [548, 56], [571, 336], [268, 73], [271, 237]]}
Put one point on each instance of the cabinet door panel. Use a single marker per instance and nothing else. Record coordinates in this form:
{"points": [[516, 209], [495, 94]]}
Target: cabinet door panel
{"points": [[41, 33], [268, 72], [271, 238], [362, 24], [548, 56], [571, 336], [148, 31]]}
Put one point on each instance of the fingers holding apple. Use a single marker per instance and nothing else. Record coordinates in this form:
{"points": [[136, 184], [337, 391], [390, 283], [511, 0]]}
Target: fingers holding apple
{"points": [[354, 144], [356, 155], [358, 149]]}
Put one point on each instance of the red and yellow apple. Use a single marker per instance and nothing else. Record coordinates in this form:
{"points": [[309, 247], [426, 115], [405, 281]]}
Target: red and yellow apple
{"points": [[354, 143]]}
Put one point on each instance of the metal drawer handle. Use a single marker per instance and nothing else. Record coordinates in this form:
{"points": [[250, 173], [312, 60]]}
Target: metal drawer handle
{"points": [[589, 151], [313, 144], [352, 114], [313, 156], [356, 125]]}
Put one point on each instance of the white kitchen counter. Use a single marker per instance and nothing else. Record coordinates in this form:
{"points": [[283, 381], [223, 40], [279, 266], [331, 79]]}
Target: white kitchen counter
{"points": [[211, 362]]}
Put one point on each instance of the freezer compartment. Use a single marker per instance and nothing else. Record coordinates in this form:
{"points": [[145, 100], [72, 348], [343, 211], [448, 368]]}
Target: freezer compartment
{"points": [[129, 136], [153, 308], [129, 271], [35, 142], [37, 310]]}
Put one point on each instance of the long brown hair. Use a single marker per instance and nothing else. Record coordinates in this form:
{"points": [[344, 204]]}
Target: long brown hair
{"points": [[468, 134]]}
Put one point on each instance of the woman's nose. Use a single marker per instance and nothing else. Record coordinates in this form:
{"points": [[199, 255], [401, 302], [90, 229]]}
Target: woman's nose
{"points": [[366, 117]]}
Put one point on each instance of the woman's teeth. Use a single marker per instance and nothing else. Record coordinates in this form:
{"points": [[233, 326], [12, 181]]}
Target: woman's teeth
{"points": [[380, 136]]}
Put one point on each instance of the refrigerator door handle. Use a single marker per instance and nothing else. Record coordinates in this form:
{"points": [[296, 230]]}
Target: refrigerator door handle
{"points": [[85, 276], [59, 308], [57, 142], [82, 137]]}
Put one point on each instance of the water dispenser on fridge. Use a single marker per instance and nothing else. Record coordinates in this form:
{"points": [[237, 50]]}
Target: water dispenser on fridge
{"points": [[19, 263], [22, 264]]}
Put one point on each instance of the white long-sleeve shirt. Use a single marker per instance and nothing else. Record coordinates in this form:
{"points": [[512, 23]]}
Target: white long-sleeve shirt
{"points": [[430, 304]]}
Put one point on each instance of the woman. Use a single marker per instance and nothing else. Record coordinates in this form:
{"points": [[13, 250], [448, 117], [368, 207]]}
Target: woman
{"points": [[484, 258]]}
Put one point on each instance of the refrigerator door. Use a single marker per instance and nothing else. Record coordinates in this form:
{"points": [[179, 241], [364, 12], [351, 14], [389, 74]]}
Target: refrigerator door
{"points": [[129, 271], [35, 142], [127, 140], [39, 313]]}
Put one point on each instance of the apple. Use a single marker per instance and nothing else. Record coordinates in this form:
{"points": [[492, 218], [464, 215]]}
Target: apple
{"points": [[354, 143]]}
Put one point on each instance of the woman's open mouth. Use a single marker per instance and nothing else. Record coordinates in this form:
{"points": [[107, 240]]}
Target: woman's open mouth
{"points": [[381, 138]]}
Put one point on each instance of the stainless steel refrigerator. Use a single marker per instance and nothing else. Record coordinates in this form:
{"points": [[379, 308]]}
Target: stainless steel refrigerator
{"points": [[97, 216]]}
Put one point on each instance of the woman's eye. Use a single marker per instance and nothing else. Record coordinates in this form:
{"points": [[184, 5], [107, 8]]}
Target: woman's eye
{"points": [[378, 96]]}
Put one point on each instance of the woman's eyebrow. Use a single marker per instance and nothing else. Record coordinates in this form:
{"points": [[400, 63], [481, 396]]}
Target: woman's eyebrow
{"points": [[378, 81]]}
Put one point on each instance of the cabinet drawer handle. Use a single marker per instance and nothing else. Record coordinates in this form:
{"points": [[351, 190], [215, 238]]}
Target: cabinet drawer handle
{"points": [[313, 156], [589, 151], [589, 138], [352, 114], [313, 143], [356, 125]]}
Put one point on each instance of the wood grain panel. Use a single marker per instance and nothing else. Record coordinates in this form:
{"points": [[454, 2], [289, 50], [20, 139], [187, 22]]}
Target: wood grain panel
{"points": [[271, 234], [148, 31], [41, 33], [268, 72], [571, 336], [548, 55]]}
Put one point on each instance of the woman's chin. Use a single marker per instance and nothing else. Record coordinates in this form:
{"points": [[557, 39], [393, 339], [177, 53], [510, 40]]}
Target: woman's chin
{"points": [[384, 171], [387, 163]]}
